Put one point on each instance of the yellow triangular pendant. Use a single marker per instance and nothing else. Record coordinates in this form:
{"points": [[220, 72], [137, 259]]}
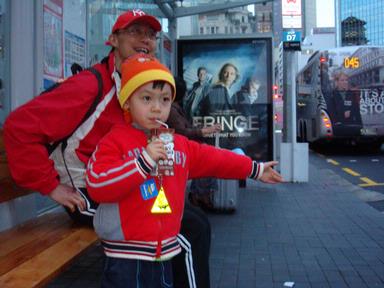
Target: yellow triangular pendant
{"points": [[161, 204]]}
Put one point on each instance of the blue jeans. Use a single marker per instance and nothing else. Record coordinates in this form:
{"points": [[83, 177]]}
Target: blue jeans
{"points": [[127, 273]]}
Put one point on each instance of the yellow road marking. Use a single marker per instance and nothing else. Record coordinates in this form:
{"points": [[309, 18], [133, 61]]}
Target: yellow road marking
{"points": [[369, 182], [370, 185], [333, 162], [350, 171]]}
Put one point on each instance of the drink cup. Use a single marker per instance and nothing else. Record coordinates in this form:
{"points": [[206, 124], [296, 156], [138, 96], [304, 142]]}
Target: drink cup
{"points": [[165, 166]]}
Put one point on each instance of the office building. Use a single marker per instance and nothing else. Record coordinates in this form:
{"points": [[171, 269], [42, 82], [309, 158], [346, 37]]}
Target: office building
{"points": [[359, 22]]}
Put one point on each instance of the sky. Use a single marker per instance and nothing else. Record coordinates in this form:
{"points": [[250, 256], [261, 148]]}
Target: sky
{"points": [[325, 13]]}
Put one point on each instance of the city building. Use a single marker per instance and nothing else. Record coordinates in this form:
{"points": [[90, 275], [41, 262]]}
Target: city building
{"points": [[239, 20], [309, 16], [263, 17], [232, 21], [359, 22], [353, 32]]}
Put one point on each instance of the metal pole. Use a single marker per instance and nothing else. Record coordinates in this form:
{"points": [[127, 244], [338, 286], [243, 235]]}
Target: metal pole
{"points": [[172, 28], [293, 66], [286, 103]]}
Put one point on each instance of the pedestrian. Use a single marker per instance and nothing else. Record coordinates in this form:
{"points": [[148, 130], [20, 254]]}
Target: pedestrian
{"points": [[201, 190], [54, 115], [141, 203], [178, 120], [248, 93]]}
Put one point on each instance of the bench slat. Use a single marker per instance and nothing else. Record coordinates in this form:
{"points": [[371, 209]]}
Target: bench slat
{"points": [[24, 242], [34, 253], [41, 269], [31, 230]]}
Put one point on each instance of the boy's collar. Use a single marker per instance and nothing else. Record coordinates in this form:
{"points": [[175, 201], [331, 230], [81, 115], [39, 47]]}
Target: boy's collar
{"points": [[138, 127]]}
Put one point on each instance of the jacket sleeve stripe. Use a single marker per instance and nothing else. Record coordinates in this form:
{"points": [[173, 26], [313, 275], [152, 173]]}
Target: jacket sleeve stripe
{"points": [[145, 163], [110, 180], [257, 170], [110, 171]]}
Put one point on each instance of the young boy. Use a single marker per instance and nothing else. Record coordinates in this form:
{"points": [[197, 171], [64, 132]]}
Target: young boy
{"points": [[141, 205]]}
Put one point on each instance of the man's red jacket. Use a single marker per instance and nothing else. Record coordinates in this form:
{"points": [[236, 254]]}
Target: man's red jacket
{"points": [[53, 116]]}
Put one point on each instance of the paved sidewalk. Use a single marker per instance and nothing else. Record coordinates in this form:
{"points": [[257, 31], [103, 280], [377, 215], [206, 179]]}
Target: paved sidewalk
{"points": [[316, 234]]}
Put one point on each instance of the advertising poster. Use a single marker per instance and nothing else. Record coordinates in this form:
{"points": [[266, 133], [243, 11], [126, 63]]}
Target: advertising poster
{"points": [[227, 82], [353, 90], [53, 38]]}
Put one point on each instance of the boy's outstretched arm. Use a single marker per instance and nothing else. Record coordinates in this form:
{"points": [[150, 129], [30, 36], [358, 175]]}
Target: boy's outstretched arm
{"points": [[270, 175]]}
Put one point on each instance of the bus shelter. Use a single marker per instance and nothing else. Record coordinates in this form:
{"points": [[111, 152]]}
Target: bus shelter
{"points": [[40, 40]]}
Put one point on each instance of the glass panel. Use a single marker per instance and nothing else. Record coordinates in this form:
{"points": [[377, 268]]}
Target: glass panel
{"points": [[200, 3], [248, 19], [4, 61], [101, 17]]}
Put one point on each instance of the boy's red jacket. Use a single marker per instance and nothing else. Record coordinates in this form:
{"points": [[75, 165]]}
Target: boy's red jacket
{"points": [[120, 166]]}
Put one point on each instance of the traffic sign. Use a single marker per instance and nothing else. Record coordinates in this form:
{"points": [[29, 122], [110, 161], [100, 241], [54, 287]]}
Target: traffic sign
{"points": [[292, 40], [292, 36]]}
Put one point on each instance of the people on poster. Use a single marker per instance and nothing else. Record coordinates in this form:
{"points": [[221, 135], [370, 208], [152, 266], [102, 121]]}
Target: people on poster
{"points": [[249, 92], [197, 91], [344, 105], [246, 102], [218, 97]]}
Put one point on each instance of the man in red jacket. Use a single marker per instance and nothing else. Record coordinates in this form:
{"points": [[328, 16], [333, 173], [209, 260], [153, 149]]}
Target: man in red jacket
{"points": [[56, 114]]}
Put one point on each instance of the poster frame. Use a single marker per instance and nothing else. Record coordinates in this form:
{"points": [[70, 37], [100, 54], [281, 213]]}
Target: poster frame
{"points": [[221, 42]]}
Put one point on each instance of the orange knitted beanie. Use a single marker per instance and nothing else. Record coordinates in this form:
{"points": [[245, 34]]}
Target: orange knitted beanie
{"points": [[141, 69]]}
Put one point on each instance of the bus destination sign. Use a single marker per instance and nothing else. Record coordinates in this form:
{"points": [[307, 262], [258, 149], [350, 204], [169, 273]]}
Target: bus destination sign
{"points": [[292, 40], [351, 62]]}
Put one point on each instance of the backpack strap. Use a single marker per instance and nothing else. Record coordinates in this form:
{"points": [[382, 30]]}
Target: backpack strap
{"points": [[92, 108], [90, 111]]}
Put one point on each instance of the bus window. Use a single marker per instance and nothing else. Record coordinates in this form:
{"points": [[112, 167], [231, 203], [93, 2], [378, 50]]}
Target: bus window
{"points": [[308, 76]]}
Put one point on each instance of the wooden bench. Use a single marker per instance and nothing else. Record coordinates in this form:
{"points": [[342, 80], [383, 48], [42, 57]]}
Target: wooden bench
{"points": [[35, 252]]}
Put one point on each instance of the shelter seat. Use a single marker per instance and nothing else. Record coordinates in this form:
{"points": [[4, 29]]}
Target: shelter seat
{"points": [[35, 252]]}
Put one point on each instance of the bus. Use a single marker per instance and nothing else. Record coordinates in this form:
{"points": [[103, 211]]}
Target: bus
{"points": [[340, 96]]}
